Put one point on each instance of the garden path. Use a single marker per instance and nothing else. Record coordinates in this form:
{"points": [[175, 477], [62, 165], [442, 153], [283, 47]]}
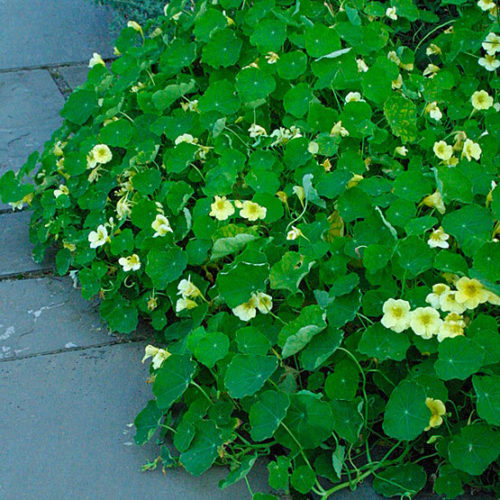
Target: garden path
{"points": [[69, 389]]}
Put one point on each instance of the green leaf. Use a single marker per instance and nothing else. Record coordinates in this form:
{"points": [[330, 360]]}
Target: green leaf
{"points": [[404, 480], [147, 422], [222, 50], [208, 23], [204, 449], [303, 479], [289, 272], [376, 257], [179, 158], [487, 261], [458, 357], [117, 133], [267, 413], [449, 482], [298, 333], [247, 373], [411, 185], [296, 101], [211, 347], [474, 449], [291, 65], [320, 348], [321, 40], [240, 281], [234, 244], [269, 35], [344, 308], [120, 315], [454, 185], [381, 343], [471, 226], [377, 81], [347, 419], [165, 266], [79, 106], [253, 84], [241, 472], [401, 114], [451, 263], [221, 97], [406, 414], [278, 472], [488, 397], [414, 256], [63, 261], [343, 382], [251, 341], [172, 379], [122, 243], [147, 181]]}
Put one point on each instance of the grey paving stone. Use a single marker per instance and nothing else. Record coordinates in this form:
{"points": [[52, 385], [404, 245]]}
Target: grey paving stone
{"points": [[74, 75], [41, 32], [64, 432], [15, 247], [46, 314], [29, 114]]}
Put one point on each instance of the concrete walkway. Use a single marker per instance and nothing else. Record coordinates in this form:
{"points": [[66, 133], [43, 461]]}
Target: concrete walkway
{"points": [[69, 390]]}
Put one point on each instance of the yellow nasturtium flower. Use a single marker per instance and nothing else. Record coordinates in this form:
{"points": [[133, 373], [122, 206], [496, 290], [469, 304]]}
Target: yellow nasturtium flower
{"points": [[453, 326], [470, 292], [253, 211], [130, 263], [434, 298], [185, 303], [486, 5], [187, 288], [448, 303], [425, 321], [471, 150], [158, 355], [435, 200], [438, 238], [481, 100], [489, 62], [491, 44], [437, 411], [95, 60], [61, 190], [246, 311], [101, 154], [396, 315], [294, 233], [442, 150], [99, 237]]}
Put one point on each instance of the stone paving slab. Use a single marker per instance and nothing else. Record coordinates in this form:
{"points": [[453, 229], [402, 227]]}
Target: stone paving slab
{"points": [[29, 114], [42, 32], [15, 247], [46, 314], [74, 75], [64, 432]]}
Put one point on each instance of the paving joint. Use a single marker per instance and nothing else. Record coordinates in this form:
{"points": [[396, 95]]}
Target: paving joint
{"points": [[40, 273], [60, 81], [50, 66]]}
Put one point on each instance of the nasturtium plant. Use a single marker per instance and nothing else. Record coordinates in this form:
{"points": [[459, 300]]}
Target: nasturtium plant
{"points": [[301, 199]]}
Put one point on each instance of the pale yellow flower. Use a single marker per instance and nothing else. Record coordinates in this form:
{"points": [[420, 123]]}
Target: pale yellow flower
{"points": [[281, 136], [158, 355], [246, 311], [438, 238], [95, 60], [442, 150], [338, 129], [62, 190], [272, 57], [187, 138], [489, 62], [354, 181], [481, 100], [425, 322], [161, 225], [391, 13], [184, 303], [362, 66], [130, 263], [300, 192], [491, 44], [470, 293], [437, 411], [190, 105], [486, 5], [58, 148], [448, 303], [471, 150], [392, 56], [256, 130], [294, 233], [433, 111], [253, 211], [450, 329], [135, 26], [431, 70], [401, 150], [433, 49], [282, 197], [263, 302], [396, 315], [434, 298], [99, 237], [435, 200], [353, 97], [152, 303], [101, 153], [123, 208], [187, 288], [313, 148], [494, 299], [222, 209], [397, 83]]}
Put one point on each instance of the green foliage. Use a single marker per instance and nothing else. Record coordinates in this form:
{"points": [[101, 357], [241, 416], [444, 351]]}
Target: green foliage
{"points": [[264, 182]]}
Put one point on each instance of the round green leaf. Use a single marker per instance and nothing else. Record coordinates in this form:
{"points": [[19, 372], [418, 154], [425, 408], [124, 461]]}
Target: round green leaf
{"points": [[253, 84], [406, 414], [488, 397], [211, 347], [247, 373], [344, 381], [269, 35], [165, 266], [321, 40], [147, 422], [404, 480], [222, 50], [458, 357], [381, 343], [296, 100], [291, 65], [267, 413], [79, 106], [303, 479], [117, 133], [220, 96]]}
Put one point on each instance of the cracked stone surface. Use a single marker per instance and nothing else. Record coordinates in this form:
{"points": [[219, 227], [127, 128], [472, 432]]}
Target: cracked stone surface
{"points": [[74, 75], [41, 32], [46, 314], [29, 114], [15, 250], [64, 429]]}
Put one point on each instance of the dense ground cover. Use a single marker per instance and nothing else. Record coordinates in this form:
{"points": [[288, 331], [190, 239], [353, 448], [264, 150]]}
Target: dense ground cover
{"points": [[301, 199]]}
